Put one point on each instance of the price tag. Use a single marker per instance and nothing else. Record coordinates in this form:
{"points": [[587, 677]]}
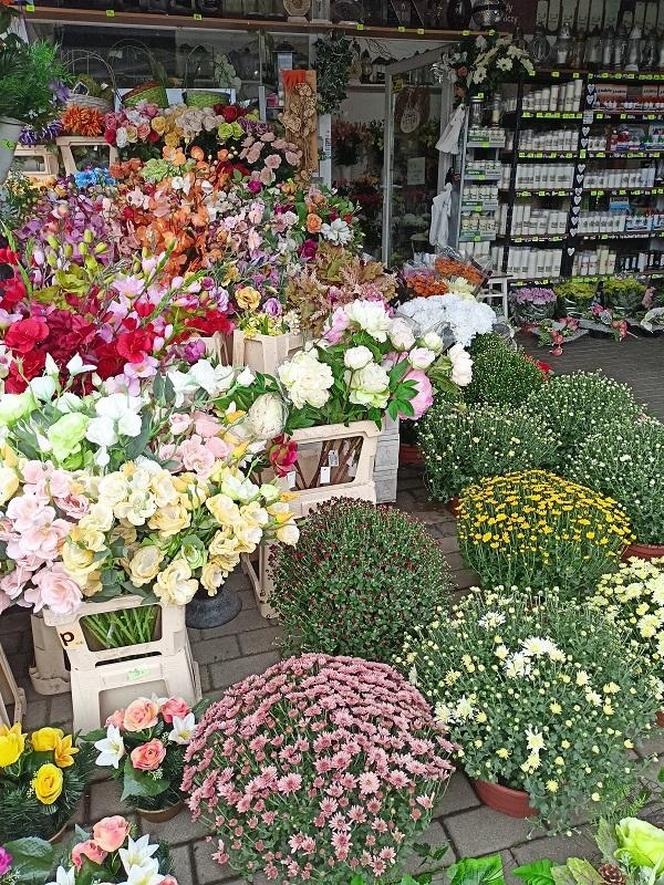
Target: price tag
{"points": [[604, 75], [465, 33], [555, 74], [30, 7], [333, 458], [359, 27], [110, 13], [576, 75], [290, 479], [137, 673], [401, 29], [541, 193], [198, 17], [420, 31], [325, 475]]}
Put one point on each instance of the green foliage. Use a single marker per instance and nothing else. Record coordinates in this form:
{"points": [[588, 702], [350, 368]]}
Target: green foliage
{"points": [[627, 463], [578, 405], [32, 859], [462, 445], [579, 290], [359, 576], [536, 873], [501, 375], [27, 71], [333, 60], [477, 871]]}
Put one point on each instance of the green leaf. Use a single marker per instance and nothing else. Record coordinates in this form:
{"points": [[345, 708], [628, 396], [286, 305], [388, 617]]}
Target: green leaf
{"points": [[606, 838], [139, 783], [562, 876], [33, 859], [477, 871], [398, 371], [583, 871], [536, 873]]}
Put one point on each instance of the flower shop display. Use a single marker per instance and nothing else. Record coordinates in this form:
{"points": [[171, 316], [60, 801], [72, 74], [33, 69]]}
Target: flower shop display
{"points": [[502, 374], [535, 529], [624, 296], [626, 461], [456, 316], [554, 333], [532, 303], [334, 58], [144, 746], [480, 64], [347, 141], [579, 405], [542, 697], [449, 271], [42, 777], [332, 764], [109, 853], [576, 296], [359, 575], [464, 444]]}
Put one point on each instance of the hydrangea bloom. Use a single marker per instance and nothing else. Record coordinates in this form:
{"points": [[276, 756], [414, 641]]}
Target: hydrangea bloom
{"points": [[461, 318]]}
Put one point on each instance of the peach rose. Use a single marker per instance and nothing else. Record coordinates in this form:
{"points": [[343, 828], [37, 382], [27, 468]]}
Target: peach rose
{"points": [[110, 833], [148, 757], [140, 714], [169, 880], [89, 849], [174, 707], [116, 719], [313, 223]]}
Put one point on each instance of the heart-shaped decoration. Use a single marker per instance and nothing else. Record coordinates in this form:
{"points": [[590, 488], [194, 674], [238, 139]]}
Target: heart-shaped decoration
{"points": [[582, 168], [584, 142], [591, 99], [571, 250], [576, 210], [578, 190], [591, 88], [577, 200], [585, 130]]}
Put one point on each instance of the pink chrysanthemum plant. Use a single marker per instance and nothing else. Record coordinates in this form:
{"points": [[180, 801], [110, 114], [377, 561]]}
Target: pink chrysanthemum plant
{"points": [[319, 769]]}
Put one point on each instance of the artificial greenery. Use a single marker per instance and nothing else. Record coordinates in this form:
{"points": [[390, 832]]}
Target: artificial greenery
{"points": [[578, 405], [462, 445], [535, 529], [334, 56], [626, 462], [542, 696], [501, 374], [29, 76], [359, 576]]}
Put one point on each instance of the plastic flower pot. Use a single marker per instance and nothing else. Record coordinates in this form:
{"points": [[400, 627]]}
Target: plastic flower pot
{"points": [[205, 611], [161, 815], [659, 718], [514, 803], [644, 551]]}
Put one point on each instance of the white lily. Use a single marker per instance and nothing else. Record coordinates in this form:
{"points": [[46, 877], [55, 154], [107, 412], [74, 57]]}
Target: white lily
{"points": [[183, 729], [64, 877], [148, 875], [111, 748], [138, 853], [76, 366]]}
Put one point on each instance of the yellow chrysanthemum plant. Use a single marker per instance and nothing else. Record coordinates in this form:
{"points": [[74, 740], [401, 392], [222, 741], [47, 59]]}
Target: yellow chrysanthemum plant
{"points": [[42, 777], [536, 529], [541, 695]]}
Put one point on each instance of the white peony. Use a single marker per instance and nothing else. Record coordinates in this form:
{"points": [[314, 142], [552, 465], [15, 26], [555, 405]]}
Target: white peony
{"points": [[421, 357], [370, 386], [401, 334], [306, 379], [357, 357], [338, 232], [371, 316], [267, 416], [462, 365], [433, 341]]}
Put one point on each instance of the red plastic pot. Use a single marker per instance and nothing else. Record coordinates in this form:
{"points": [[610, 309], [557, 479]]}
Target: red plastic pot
{"points": [[453, 506], [514, 803], [409, 454], [644, 551]]}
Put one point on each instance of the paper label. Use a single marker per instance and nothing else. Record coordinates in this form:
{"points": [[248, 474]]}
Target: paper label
{"points": [[333, 458], [325, 475]]}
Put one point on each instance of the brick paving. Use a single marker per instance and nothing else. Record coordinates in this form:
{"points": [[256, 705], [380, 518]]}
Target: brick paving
{"points": [[249, 645]]}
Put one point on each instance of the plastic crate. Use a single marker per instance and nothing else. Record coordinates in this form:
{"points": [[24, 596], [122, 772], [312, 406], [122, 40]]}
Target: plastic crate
{"points": [[49, 674], [263, 353]]}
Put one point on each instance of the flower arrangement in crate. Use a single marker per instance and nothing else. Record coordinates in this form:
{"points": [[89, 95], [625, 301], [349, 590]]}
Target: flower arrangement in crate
{"points": [[449, 271], [341, 785], [42, 777], [534, 708], [535, 529], [144, 746]]}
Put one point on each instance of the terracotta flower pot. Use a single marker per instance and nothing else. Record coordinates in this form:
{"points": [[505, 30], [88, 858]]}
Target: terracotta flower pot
{"points": [[505, 800], [57, 835], [161, 815], [409, 454], [453, 506], [659, 718], [644, 551]]}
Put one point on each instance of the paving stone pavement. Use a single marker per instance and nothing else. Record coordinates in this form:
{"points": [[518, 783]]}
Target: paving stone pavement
{"points": [[249, 645]]}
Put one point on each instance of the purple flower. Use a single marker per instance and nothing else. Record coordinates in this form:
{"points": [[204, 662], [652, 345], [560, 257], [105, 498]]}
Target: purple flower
{"points": [[194, 350], [59, 90], [272, 307], [5, 861], [308, 250]]}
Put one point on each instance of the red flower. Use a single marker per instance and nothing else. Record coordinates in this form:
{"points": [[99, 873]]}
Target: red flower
{"points": [[108, 361], [109, 136], [212, 322], [153, 137], [32, 365], [229, 113], [24, 335], [8, 256], [13, 291], [133, 346], [282, 454]]}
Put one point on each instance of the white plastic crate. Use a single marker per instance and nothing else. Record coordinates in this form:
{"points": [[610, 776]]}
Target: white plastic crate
{"points": [[49, 674], [10, 693], [387, 462], [67, 142], [263, 353]]}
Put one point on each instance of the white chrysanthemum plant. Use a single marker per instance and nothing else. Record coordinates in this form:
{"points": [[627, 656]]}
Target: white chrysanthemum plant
{"points": [[457, 318], [542, 697]]}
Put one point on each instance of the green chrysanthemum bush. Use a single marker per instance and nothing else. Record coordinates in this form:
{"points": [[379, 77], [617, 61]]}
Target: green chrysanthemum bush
{"points": [[541, 696], [579, 405], [633, 600], [538, 530], [463, 445], [359, 577], [627, 463], [500, 373]]}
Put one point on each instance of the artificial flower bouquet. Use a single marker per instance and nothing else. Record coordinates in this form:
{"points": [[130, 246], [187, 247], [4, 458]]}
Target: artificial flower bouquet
{"points": [[144, 746], [535, 529], [320, 769], [540, 696], [42, 777], [480, 64]]}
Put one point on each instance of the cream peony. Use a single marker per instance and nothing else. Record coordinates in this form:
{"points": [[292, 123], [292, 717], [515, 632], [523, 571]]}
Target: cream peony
{"points": [[401, 335], [357, 357], [175, 586], [421, 357], [267, 416], [462, 365], [371, 316], [370, 386], [306, 379]]}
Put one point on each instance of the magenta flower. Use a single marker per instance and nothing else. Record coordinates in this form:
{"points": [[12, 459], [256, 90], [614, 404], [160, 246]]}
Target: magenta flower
{"points": [[5, 861]]}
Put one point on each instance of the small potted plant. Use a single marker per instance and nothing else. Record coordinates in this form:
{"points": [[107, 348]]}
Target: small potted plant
{"points": [[144, 746], [530, 304], [626, 461], [42, 777], [544, 699], [576, 296]]}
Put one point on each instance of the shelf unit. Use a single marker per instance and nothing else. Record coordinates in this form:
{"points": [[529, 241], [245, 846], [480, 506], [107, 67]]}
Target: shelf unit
{"points": [[586, 120]]}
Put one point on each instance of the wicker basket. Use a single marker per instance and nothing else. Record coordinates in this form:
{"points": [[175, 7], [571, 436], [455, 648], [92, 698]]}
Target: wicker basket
{"points": [[153, 92], [204, 98], [92, 102]]}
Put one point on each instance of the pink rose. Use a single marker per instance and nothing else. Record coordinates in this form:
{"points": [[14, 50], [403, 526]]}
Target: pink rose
{"points": [[338, 323], [110, 832], [218, 447], [169, 880], [89, 849], [57, 590], [423, 398], [195, 456], [174, 707], [148, 757], [206, 425], [180, 423], [273, 161], [13, 583], [141, 714], [116, 719]]}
